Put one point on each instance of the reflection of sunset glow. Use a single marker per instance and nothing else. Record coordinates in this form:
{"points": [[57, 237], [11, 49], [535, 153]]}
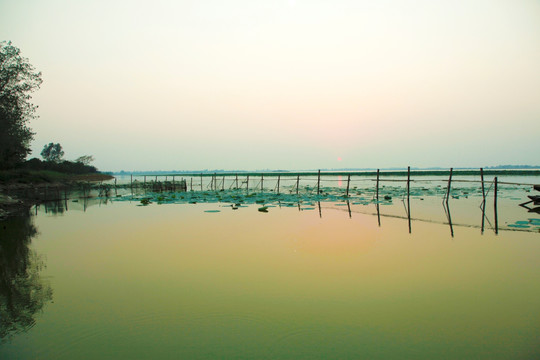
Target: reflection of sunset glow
{"points": [[338, 240], [339, 181]]}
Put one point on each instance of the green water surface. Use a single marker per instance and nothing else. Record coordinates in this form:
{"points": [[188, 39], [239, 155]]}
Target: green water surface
{"points": [[181, 281]]}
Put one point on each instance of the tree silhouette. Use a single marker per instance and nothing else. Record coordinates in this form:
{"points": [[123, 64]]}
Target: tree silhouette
{"points": [[52, 152], [85, 159], [17, 80]]}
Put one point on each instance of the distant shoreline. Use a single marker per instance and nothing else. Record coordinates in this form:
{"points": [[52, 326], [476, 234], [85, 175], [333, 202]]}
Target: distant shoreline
{"points": [[371, 172]]}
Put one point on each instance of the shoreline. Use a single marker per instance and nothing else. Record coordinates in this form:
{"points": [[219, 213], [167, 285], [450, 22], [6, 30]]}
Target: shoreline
{"points": [[15, 192]]}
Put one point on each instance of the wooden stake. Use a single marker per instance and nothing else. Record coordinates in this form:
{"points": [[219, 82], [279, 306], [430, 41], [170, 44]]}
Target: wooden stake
{"points": [[201, 183], [408, 181], [173, 185], [262, 181], [495, 207], [191, 183], [297, 183], [449, 185], [319, 183], [278, 179], [483, 189], [377, 187], [223, 184], [247, 183], [408, 198], [237, 181], [348, 183]]}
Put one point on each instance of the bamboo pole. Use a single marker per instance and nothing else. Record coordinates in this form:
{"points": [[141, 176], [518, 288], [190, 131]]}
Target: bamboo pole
{"points": [[377, 187], [191, 183], [201, 183], [247, 183], [495, 206], [348, 183], [297, 184], [278, 179], [408, 181], [408, 197], [262, 181], [223, 184], [483, 188], [449, 185], [237, 181], [173, 184], [319, 183]]}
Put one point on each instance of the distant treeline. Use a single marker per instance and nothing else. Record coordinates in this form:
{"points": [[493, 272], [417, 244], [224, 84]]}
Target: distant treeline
{"points": [[488, 170], [66, 167], [371, 173], [511, 167]]}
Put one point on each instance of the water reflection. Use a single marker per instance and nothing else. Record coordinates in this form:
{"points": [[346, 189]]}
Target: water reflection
{"points": [[55, 207], [426, 210], [23, 292], [446, 207], [493, 224]]}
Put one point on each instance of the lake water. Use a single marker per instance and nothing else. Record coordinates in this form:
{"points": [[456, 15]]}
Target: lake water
{"points": [[329, 279]]}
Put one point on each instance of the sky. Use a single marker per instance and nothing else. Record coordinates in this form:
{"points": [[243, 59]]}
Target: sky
{"points": [[284, 84]]}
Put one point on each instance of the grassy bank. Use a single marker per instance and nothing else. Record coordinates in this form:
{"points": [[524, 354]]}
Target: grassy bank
{"points": [[36, 177], [16, 187]]}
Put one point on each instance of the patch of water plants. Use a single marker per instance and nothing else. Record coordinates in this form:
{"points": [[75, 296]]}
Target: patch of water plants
{"points": [[240, 198], [307, 196], [531, 224]]}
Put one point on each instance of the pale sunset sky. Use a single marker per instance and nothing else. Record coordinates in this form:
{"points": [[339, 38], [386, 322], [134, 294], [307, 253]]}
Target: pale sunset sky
{"points": [[285, 84]]}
